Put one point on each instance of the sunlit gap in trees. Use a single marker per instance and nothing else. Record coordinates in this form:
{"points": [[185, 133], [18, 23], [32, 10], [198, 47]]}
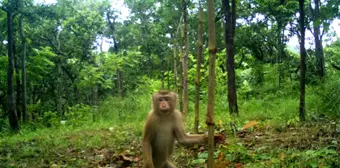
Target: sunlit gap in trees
{"points": [[330, 37], [293, 42], [122, 11], [123, 14], [46, 2]]}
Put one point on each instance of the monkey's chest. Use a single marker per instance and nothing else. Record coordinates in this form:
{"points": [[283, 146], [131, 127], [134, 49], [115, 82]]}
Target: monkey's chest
{"points": [[164, 138]]}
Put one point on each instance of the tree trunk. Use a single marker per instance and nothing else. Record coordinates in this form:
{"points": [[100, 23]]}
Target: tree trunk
{"points": [[150, 64], [185, 60], [175, 53], [23, 70], [168, 74], [59, 91], [163, 70], [280, 31], [198, 67], [318, 41], [95, 102], [76, 94], [31, 102], [302, 61], [119, 82], [180, 91], [12, 112], [211, 88], [175, 67], [17, 79], [229, 30]]}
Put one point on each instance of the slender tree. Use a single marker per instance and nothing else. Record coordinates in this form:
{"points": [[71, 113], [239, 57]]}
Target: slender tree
{"points": [[175, 66], [17, 80], [180, 91], [59, 90], [162, 73], [175, 52], [168, 67], [185, 59], [280, 42], [198, 67], [23, 69], [211, 88], [12, 112], [94, 101], [320, 60], [112, 24], [229, 30], [302, 61]]}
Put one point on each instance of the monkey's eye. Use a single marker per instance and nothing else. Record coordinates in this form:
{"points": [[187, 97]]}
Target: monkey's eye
{"points": [[160, 99]]}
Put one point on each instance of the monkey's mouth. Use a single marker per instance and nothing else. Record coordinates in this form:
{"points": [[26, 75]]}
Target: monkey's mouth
{"points": [[164, 108], [164, 111]]}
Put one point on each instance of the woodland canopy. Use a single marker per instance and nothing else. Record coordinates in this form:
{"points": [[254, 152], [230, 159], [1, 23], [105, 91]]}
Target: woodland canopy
{"points": [[76, 79]]}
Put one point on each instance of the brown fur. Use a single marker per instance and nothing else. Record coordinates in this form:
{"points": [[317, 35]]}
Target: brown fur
{"points": [[162, 129]]}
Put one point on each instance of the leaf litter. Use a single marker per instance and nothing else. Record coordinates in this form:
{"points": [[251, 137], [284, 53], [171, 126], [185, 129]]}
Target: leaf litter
{"points": [[118, 148]]}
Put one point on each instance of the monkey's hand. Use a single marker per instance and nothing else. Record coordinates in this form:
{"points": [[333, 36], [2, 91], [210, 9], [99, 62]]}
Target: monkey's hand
{"points": [[148, 165], [219, 138]]}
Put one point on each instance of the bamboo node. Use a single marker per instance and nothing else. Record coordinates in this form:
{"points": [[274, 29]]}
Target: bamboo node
{"points": [[212, 50], [209, 121]]}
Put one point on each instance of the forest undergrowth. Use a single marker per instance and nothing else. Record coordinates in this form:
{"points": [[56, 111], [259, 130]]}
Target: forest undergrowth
{"points": [[273, 137], [76, 79]]}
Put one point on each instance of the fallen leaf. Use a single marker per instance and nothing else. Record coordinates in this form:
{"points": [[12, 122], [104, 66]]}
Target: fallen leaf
{"points": [[220, 162], [237, 165], [249, 124], [123, 157], [54, 166], [220, 156]]}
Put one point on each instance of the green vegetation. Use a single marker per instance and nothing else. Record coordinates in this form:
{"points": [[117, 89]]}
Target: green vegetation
{"points": [[90, 73]]}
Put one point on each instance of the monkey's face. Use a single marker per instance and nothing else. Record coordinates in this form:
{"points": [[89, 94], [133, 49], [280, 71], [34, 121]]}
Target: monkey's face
{"points": [[164, 104]]}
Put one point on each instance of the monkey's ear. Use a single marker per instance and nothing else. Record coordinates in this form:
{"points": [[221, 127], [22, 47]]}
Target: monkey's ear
{"points": [[155, 95], [174, 95]]}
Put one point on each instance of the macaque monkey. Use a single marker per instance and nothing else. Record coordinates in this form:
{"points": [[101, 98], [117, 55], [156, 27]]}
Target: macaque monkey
{"points": [[163, 126]]}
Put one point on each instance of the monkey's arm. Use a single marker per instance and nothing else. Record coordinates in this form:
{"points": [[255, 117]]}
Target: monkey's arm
{"points": [[147, 149], [146, 146], [185, 139]]}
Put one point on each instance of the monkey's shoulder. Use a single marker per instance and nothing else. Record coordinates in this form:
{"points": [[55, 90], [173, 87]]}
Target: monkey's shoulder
{"points": [[177, 115]]}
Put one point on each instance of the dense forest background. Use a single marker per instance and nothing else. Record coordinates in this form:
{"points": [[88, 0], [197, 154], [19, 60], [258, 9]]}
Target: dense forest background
{"points": [[76, 77]]}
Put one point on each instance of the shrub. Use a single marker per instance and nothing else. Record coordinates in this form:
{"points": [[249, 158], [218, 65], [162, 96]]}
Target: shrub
{"points": [[78, 115]]}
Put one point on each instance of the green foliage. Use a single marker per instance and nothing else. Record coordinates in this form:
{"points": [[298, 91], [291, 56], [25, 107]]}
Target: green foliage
{"points": [[237, 153], [78, 115], [131, 107], [332, 55], [324, 99], [4, 126], [65, 35], [50, 119], [310, 158], [121, 110], [3, 74], [40, 64], [148, 85], [91, 76], [62, 146]]}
